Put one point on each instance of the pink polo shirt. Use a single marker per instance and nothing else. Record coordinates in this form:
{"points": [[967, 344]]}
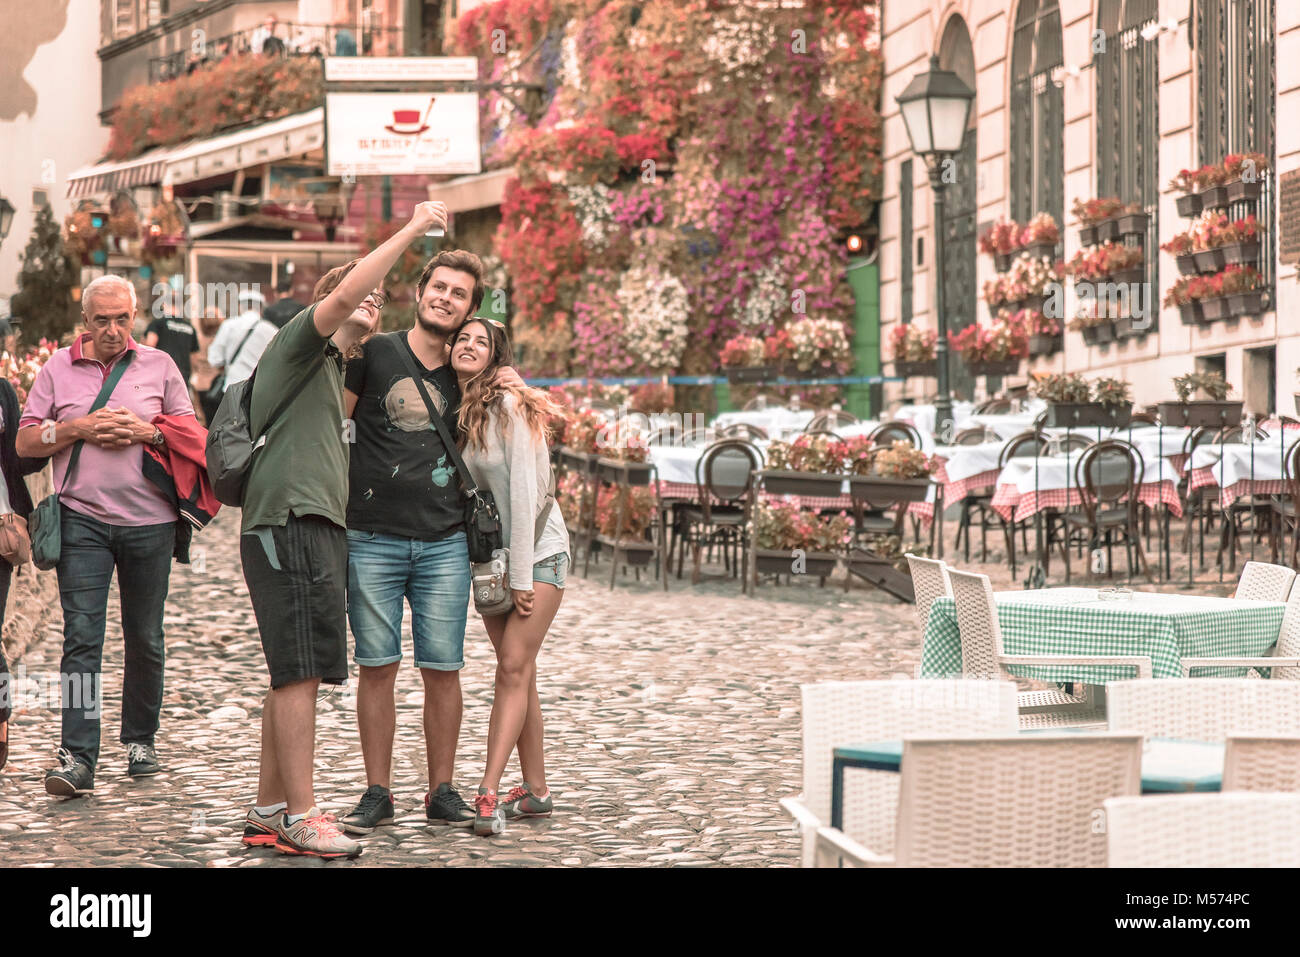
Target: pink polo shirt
{"points": [[108, 484]]}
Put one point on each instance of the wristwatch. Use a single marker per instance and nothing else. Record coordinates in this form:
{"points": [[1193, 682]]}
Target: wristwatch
{"points": [[157, 438]]}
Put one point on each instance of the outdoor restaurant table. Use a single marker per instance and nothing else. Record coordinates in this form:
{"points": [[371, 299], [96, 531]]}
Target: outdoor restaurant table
{"points": [[772, 420], [1074, 621], [1169, 765], [1241, 468], [1023, 491], [676, 465]]}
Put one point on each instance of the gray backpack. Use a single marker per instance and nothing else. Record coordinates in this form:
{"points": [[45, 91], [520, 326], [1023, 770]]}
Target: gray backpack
{"points": [[230, 446]]}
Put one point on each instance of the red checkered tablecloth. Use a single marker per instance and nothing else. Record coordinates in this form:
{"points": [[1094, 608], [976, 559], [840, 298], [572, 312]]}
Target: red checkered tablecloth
{"points": [[1007, 499], [687, 492], [953, 491], [1200, 478]]}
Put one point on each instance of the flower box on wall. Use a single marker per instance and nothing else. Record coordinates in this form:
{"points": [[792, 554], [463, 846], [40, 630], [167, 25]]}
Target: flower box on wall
{"points": [[1072, 415], [575, 461], [1209, 260], [1214, 309], [1132, 224], [1241, 253], [1099, 333], [1045, 345], [1041, 250], [993, 366], [1214, 197], [617, 471], [1245, 303], [1190, 313], [1189, 205], [1002, 261], [926, 367], [1196, 414], [1186, 264], [790, 482], [780, 561], [1088, 235], [1108, 229], [1240, 191], [1126, 276], [742, 374], [1126, 329], [879, 490]]}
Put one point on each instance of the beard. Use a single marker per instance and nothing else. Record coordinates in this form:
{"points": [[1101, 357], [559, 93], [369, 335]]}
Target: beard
{"points": [[430, 321]]}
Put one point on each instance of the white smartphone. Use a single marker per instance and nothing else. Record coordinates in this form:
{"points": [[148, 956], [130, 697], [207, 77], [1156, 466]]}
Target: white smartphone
{"points": [[436, 232]]}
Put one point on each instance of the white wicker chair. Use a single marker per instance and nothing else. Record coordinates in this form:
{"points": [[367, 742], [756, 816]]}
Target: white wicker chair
{"points": [[1261, 581], [852, 712], [1203, 709], [1022, 801], [929, 581], [1261, 764], [982, 653], [1283, 658], [1204, 830]]}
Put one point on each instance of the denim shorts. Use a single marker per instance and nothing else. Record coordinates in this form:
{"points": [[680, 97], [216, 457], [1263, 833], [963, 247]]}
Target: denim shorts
{"points": [[433, 577], [552, 570]]}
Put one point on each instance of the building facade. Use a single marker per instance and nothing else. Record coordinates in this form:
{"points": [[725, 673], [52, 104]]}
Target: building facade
{"points": [[1080, 99]]}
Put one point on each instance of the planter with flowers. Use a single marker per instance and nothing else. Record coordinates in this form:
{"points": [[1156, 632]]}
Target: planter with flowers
{"points": [[781, 529], [900, 473], [743, 360], [1095, 216], [1187, 184], [1107, 262], [1131, 221], [1179, 296], [1072, 403], [1096, 327], [913, 349], [1040, 236], [1002, 242], [1242, 176], [993, 349], [579, 438], [1045, 336], [1026, 286], [1214, 411], [814, 347], [624, 517], [1180, 247], [809, 465], [624, 456]]}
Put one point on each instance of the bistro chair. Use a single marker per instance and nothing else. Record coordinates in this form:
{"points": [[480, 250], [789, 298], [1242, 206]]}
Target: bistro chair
{"points": [[1203, 709], [761, 402], [1282, 661], [1263, 582], [837, 713], [743, 430], [1018, 801], [1203, 830], [1027, 445], [969, 437], [996, 406], [890, 432], [1143, 420], [1200, 505], [929, 581], [1259, 508], [1107, 475], [1252, 763], [982, 653], [828, 420], [871, 518], [1286, 507], [724, 476]]}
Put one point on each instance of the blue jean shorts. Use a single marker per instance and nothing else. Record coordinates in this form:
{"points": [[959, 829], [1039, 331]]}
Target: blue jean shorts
{"points": [[433, 577], [552, 570]]}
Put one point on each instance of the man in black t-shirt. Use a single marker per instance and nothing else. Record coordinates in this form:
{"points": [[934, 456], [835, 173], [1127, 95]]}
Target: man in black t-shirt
{"points": [[285, 307], [406, 540], [177, 338]]}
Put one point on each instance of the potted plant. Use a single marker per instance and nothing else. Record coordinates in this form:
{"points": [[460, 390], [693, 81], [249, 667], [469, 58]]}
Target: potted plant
{"points": [[810, 465], [1243, 173], [1095, 326], [1002, 242], [913, 348], [742, 360], [1178, 296], [1029, 282], [1240, 240], [1180, 247], [1066, 395], [1185, 183], [1115, 397], [1094, 215], [624, 456], [624, 517], [1132, 220], [579, 448], [1214, 412], [1239, 285], [1040, 236], [1213, 182], [1045, 335], [789, 540], [900, 473], [994, 349]]}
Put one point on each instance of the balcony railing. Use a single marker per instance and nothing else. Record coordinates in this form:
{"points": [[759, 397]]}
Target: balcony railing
{"points": [[289, 39]]}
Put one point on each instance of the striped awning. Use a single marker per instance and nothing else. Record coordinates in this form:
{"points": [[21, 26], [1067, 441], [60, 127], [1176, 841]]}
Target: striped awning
{"points": [[145, 170]]}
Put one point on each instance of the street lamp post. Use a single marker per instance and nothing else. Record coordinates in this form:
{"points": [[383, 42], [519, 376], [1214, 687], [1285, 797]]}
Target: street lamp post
{"points": [[935, 108]]}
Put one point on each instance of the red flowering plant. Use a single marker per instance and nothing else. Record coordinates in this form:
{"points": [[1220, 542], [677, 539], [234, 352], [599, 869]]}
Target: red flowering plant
{"points": [[1041, 230], [997, 291], [1187, 181], [1244, 167], [902, 461], [582, 428], [1179, 293], [782, 525], [1098, 262], [1003, 237], [999, 340], [742, 352], [909, 342], [807, 453], [778, 348], [652, 398], [1236, 278], [1093, 211], [638, 512], [857, 455], [1033, 322], [1179, 244]]}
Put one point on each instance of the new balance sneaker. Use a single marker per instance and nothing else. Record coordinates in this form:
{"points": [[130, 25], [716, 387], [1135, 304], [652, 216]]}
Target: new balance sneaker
{"points": [[373, 810], [488, 818], [445, 806], [72, 778], [315, 835], [521, 802], [260, 831], [141, 761]]}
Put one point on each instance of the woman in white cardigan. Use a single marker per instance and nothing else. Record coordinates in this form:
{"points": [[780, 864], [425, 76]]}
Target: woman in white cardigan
{"points": [[503, 441]]}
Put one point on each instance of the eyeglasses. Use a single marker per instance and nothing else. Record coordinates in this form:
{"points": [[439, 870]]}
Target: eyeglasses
{"points": [[103, 322], [378, 298]]}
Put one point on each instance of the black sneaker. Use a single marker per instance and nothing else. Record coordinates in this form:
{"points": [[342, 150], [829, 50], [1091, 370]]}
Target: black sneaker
{"points": [[445, 806], [73, 778], [141, 761], [373, 810]]}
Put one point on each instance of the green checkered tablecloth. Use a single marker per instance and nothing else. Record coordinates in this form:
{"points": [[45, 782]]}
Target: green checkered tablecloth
{"points": [[1074, 621]]}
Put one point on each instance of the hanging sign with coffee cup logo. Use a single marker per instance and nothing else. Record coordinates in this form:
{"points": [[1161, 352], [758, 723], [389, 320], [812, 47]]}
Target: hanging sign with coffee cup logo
{"points": [[397, 134]]}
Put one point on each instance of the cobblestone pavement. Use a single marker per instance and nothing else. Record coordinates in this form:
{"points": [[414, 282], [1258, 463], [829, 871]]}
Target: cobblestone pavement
{"points": [[672, 725]]}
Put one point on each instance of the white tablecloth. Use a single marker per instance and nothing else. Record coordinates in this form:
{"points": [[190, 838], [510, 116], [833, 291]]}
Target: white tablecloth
{"points": [[963, 461], [771, 420], [1234, 463], [1057, 472]]}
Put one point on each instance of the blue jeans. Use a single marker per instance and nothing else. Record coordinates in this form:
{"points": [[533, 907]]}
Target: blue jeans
{"points": [[432, 576], [142, 555]]}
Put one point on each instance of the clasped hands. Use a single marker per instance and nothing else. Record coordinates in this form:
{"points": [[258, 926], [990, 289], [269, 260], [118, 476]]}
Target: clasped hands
{"points": [[118, 428]]}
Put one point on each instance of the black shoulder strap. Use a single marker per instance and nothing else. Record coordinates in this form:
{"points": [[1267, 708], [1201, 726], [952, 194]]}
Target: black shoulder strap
{"points": [[105, 392], [466, 479], [244, 341]]}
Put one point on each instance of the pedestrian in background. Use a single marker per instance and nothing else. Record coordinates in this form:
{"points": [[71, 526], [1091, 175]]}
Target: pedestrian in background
{"points": [[240, 341], [203, 374]]}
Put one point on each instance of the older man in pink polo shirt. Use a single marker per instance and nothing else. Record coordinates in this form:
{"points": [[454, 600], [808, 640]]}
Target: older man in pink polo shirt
{"points": [[112, 517]]}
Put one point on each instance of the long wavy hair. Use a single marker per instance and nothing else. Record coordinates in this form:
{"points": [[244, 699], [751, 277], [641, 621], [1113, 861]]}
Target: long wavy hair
{"points": [[479, 396]]}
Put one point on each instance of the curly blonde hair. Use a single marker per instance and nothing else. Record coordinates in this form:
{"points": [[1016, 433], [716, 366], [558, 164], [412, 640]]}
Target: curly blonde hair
{"points": [[480, 396]]}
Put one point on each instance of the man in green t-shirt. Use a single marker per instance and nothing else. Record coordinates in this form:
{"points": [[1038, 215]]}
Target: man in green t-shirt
{"points": [[294, 544]]}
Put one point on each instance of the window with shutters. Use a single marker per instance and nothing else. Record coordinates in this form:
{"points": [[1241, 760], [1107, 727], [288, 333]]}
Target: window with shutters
{"points": [[1037, 167]]}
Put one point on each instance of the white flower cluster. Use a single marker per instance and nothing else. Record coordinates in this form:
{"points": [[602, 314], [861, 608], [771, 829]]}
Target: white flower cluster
{"points": [[734, 44], [766, 301], [570, 64], [656, 308], [819, 342], [591, 208]]}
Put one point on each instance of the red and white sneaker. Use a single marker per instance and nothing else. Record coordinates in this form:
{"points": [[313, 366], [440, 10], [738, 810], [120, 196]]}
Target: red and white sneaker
{"points": [[315, 835]]}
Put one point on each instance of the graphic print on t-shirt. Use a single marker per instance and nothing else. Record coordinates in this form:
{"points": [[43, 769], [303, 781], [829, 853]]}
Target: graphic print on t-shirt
{"points": [[406, 412]]}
